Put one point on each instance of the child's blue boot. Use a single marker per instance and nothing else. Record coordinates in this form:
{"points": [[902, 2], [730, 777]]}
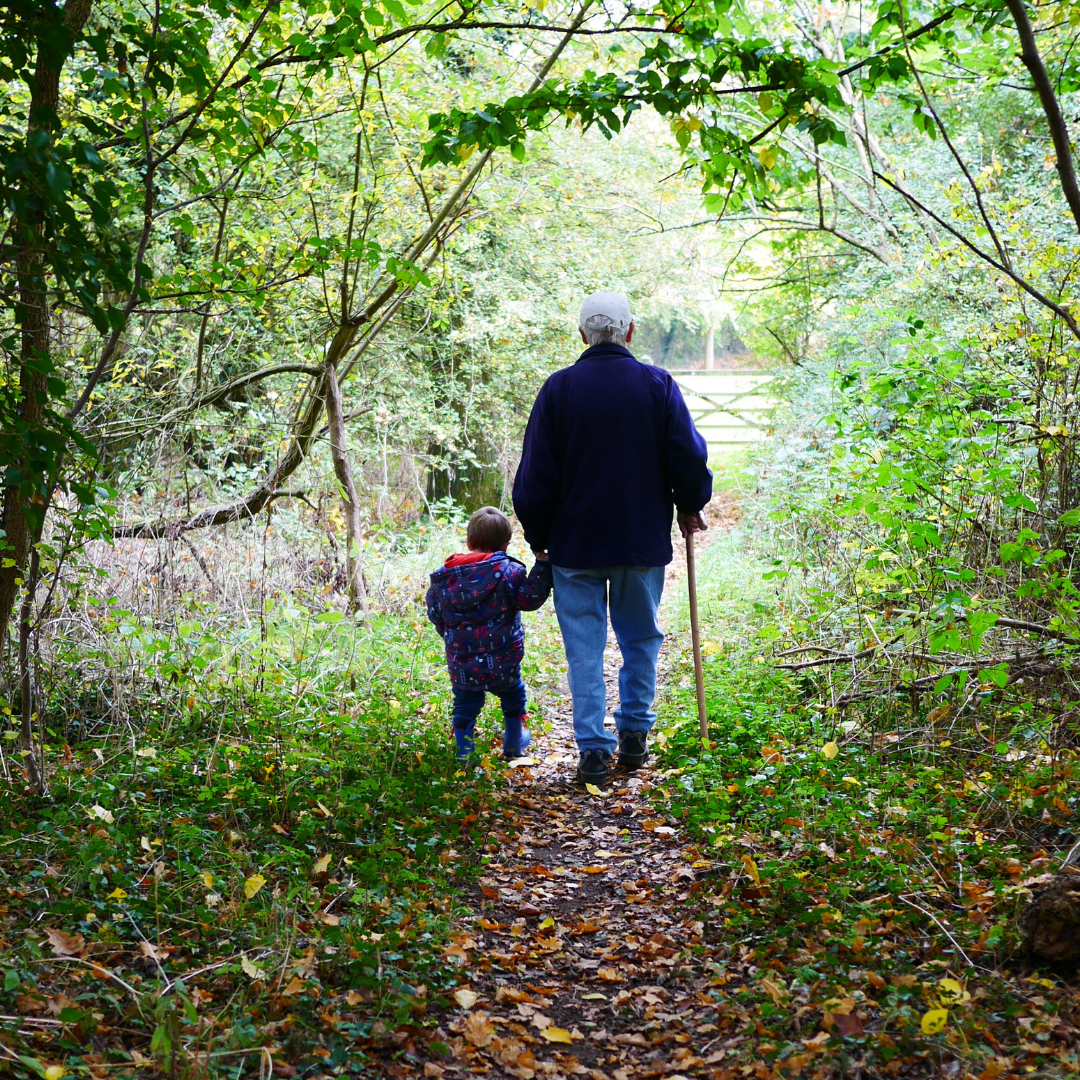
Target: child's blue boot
{"points": [[516, 737], [465, 741]]}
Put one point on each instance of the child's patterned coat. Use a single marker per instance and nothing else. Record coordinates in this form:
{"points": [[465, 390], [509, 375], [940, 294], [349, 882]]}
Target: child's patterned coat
{"points": [[474, 602]]}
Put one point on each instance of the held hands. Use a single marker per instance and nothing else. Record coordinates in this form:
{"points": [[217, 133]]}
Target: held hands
{"points": [[541, 556], [691, 523]]}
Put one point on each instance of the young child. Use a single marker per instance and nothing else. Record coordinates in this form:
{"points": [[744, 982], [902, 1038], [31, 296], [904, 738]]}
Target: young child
{"points": [[474, 602]]}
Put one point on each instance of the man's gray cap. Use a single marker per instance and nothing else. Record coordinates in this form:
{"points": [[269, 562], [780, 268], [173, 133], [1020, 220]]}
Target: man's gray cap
{"points": [[612, 304]]}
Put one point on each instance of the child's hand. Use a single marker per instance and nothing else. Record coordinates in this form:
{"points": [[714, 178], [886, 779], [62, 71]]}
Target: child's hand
{"points": [[541, 556]]}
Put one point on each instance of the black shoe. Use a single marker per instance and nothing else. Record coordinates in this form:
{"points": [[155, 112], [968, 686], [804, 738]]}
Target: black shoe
{"points": [[633, 749], [593, 766]]}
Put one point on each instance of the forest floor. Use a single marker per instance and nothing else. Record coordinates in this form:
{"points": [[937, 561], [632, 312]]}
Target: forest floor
{"points": [[291, 876]]}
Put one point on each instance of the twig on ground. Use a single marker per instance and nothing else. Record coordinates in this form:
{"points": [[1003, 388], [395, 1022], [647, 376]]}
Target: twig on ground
{"points": [[930, 915]]}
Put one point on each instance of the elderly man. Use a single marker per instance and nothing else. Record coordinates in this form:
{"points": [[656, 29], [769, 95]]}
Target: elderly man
{"points": [[610, 450]]}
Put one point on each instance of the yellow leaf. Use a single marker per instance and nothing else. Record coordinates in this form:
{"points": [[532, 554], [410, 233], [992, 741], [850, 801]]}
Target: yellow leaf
{"points": [[102, 814], [852, 780], [765, 102], [952, 992], [767, 157], [117, 894], [934, 1021], [253, 885], [830, 750], [207, 879], [547, 924], [323, 864], [465, 998], [55, 1072], [557, 1035], [592, 789], [250, 969], [751, 869]]}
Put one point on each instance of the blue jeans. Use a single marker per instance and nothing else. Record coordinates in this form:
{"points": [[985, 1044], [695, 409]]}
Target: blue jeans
{"points": [[468, 703], [582, 600]]}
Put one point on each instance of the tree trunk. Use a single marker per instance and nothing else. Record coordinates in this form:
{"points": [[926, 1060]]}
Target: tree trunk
{"points": [[32, 310], [710, 348], [340, 455]]}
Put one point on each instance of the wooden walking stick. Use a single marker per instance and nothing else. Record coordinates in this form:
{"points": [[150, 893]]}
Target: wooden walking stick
{"points": [[695, 634]]}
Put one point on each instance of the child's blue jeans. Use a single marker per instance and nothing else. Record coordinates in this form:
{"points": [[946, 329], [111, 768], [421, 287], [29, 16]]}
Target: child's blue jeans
{"points": [[469, 701]]}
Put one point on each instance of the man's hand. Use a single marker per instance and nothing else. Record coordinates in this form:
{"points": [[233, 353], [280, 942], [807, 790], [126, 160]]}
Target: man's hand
{"points": [[541, 556], [691, 523]]}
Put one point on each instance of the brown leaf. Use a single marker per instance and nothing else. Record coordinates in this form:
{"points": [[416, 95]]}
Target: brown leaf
{"points": [[478, 1029], [58, 1003], [848, 1024], [456, 954], [528, 909], [64, 944], [586, 928], [610, 974], [296, 986], [306, 966]]}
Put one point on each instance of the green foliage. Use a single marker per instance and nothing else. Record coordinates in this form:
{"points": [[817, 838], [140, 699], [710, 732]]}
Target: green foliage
{"points": [[284, 822], [863, 866]]}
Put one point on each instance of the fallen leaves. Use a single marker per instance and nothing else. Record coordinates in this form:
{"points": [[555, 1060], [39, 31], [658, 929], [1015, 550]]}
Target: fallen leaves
{"points": [[253, 885], [466, 998], [252, 971], [557, 1035], [933, 1021], [64, 944], [479, 1030]]}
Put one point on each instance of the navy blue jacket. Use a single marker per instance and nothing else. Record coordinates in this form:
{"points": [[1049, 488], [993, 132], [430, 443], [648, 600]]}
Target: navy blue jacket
{"points": [[474, 603], [609, 450]]}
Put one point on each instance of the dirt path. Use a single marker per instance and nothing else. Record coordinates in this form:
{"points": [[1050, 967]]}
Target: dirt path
{"points": [[588, 950]]}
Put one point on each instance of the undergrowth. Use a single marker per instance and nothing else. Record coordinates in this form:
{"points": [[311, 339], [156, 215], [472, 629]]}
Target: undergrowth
{"points": [[872, 863], [253, 865]]}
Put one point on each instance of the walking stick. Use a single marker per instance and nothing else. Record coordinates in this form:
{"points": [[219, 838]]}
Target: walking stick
{"points": [[695, 634]]}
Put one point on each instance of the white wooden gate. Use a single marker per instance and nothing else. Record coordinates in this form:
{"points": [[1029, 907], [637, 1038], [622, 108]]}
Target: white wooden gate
{"points": [[729, 408]]}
